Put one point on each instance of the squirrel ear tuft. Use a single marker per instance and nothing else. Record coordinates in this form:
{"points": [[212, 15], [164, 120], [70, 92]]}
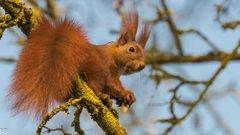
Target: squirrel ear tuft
{"points": [[129, 27], [125, 38], [144, 35]]}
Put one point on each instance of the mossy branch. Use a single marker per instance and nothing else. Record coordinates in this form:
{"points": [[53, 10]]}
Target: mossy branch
{"points": [[99, 112], [76, 121], [48, 116], [158, 57], [16, 13]]}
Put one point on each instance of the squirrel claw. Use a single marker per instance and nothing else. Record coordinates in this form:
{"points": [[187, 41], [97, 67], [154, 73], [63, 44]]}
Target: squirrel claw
{"points": [[127, 99]]}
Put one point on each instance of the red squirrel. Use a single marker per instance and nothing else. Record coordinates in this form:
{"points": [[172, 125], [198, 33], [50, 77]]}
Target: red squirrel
{"points": [[58, 50]]}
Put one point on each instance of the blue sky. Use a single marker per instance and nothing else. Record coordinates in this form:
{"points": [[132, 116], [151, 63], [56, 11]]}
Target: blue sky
{"points": [[97, 24]]}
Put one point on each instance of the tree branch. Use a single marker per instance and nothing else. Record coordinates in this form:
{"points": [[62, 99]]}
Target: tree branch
{"points": [[19, 15], [7, 59], [100, 113], [160, 58], [172, 27], [174, 120], [87, 99]]}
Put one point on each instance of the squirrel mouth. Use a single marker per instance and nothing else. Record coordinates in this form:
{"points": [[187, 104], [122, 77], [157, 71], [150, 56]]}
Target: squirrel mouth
{"points": [[130, 70]]}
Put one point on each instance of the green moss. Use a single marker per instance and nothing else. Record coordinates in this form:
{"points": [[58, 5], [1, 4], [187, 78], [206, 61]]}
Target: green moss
{"points": [[115, 113], [99, 112], [105, 99], [20, 15]]}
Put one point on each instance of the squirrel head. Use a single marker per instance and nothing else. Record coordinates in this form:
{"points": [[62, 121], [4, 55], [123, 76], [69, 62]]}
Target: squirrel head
{"points": [[129, 51]]}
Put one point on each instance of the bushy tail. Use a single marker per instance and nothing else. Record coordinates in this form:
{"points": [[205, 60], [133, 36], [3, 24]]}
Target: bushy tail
{"points": [[47, 64]]}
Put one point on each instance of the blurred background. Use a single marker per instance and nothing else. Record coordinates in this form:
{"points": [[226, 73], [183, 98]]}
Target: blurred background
{"points": [[180, 91]]}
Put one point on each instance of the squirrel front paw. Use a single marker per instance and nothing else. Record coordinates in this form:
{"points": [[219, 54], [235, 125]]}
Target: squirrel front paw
{"points": [[125, 98]]}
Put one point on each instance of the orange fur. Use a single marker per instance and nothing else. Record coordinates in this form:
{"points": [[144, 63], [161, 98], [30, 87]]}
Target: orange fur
{"points": [[130, 24], [56, 51]]}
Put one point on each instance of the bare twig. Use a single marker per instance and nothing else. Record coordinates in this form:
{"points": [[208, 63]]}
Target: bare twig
{"points": [[174, 121], [173, 27], [211, 80], [161, 16], [56, 129], [231, 25], [167, 75], [220, 8], [161, 58], [201, 35], [8, 60]]}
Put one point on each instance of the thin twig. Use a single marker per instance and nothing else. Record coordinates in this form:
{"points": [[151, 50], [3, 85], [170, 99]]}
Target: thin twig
{"points": [[211, 80], [175, 121], [173, 27], [201, 35], [56, 129], [49, 116], [8, 60], [167, 75]]}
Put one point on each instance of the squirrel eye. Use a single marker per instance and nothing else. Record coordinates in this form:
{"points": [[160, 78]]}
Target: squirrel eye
{"points": [[131, 49]]}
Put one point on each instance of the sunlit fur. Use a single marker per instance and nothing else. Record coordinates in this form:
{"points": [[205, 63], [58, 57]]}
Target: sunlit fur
{"points": [[56, 51], [132, 62], [129, 62]]}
